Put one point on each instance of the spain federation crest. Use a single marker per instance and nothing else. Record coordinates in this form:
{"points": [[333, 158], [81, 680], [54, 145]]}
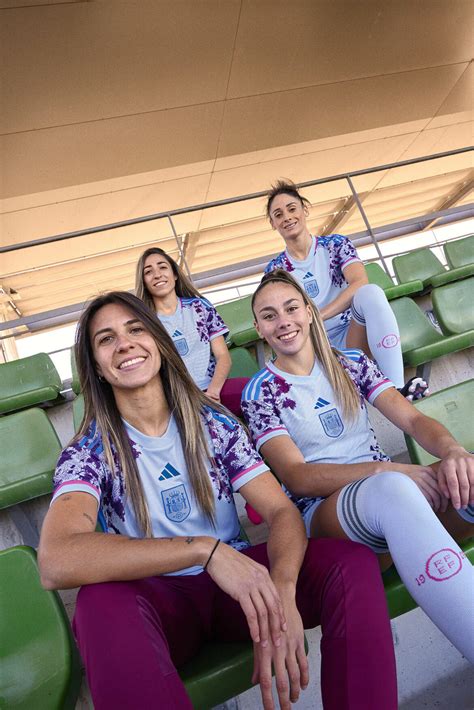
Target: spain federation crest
{"points": [[311, 288], [332, 423], [176, 503], [181, 346]]}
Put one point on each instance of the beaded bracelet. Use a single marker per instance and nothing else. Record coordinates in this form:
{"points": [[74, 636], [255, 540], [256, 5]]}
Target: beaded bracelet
{"points": [[212, 552]]}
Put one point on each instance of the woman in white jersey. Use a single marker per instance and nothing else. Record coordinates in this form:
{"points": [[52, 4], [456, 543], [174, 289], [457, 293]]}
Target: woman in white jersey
{"points": [[157, 463], [308, 418], [197, 330], [356, 314]]}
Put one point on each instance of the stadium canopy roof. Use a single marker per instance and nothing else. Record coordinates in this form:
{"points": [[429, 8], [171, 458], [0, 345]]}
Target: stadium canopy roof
{"points": [[116, 110]]}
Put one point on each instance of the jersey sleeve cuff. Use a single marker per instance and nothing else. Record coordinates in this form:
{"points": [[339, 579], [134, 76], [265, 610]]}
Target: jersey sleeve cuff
{"points": [[248, 474], [217, 333], [270, 434], [350, 260], [378, 389], [76, 487]]}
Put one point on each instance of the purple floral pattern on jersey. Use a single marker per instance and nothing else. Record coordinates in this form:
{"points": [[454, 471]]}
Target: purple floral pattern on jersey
{"points": [[280, 262], [263, 414], [208, 321], [341, 250], [84, 461]]}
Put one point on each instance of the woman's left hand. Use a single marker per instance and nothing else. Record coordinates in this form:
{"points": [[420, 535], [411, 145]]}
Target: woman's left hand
{"points": [[456, 477], [288, 658]]}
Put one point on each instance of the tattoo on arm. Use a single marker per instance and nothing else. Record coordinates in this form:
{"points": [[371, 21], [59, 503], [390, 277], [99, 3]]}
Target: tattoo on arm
{"points": [[65, 498], [189, 540], [89, 519]]}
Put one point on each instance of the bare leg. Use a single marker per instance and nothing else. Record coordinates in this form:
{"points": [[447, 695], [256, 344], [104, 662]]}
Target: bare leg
{"points": [[326, 524], [357, 338]]}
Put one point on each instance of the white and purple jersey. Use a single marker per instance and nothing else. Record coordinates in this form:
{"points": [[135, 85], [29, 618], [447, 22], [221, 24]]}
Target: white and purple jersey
{"points": [[304, 408], [165, 479], [192, 327], [322, 276]]}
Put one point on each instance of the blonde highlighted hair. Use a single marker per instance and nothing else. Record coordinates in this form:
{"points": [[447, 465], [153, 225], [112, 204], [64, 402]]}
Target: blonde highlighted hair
{"points": [[329, 358], [184, 287], [185, 400]]}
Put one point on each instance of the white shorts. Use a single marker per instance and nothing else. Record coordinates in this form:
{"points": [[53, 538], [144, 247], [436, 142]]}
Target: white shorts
{"points": [[308, 514]]}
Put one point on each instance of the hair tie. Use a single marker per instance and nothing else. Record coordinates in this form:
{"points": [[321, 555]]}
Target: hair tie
{"points": [[212, 552]]}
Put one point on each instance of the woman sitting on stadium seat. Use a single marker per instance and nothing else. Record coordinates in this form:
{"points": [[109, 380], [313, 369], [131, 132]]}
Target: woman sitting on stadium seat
{"points": [[157, 461], [356, 314], [197, 330], [307, 416]]}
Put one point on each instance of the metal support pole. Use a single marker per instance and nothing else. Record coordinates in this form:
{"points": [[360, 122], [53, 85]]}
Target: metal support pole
{"points": [[181, 252], [367, 224]]}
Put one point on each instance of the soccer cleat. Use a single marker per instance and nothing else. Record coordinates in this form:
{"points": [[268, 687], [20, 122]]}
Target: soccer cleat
{"points": [[416, 388]]}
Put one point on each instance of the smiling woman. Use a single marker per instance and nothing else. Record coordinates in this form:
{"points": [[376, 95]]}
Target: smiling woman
{"points": [[307, 415], [158, 462], [197, 330]]}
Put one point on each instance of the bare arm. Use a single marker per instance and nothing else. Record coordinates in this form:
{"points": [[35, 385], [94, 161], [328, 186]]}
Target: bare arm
{"points": [[286, 548], [312, 479], [455, 472], [356, 276], [223, 365], [71, 554]]}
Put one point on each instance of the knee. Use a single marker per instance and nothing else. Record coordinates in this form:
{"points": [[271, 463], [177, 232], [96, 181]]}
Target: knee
{"points": [[370, 293], [394, 487]]}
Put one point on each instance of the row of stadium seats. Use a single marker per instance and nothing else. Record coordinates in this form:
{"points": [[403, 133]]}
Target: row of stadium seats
{"points": [[423, 264], [32, 618], [34, 381]]}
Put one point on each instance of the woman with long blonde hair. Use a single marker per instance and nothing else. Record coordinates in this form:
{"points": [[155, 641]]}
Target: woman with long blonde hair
{"points": [[197, 330], [157, 463], [307, 415]]}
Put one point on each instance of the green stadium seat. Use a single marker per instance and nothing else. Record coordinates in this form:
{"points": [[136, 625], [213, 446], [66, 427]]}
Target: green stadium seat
{"points": [[78, 411], [421, 342], [378, 276], [238, 317], [39, 662], [453, 306], [28, 382], [243, 363], [424, 265], [30, 449], [76, 385], [460, 252], [453, 408]]}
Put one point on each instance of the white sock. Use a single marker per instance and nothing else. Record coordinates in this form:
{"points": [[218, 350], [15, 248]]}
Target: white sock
{"points": [[388, 511], [371, 309]]}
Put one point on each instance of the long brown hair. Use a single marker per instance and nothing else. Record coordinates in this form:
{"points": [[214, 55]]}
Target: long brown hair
{"points": [[184, 398], [183, 287], [328, 357]]}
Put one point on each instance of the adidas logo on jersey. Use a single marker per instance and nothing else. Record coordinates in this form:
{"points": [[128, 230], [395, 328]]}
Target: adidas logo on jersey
{"points": [[321, 403], [168, 472], [308, 275], [176, 333]]}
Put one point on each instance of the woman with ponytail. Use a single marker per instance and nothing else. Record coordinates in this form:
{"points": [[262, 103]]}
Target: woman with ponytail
{"points": [[307, 415], [157, 462]]}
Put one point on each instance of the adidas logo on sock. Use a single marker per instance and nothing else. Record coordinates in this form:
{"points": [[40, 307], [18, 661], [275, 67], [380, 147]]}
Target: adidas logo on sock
{"points": [[321, 403], [176, 333], [168, 472], [308, 275]]}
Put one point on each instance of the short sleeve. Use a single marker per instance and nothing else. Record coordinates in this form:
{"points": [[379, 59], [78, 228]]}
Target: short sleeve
{"points": [[346, 252], [77, 470], [262, 417], [234, 452], [214, 323], [369, 379]]}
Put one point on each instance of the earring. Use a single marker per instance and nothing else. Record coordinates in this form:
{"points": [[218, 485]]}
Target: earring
{"points": [[100, 378]]}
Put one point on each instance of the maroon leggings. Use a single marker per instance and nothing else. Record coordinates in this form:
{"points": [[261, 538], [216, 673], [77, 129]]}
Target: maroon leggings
{"points": [[133, 635]]}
